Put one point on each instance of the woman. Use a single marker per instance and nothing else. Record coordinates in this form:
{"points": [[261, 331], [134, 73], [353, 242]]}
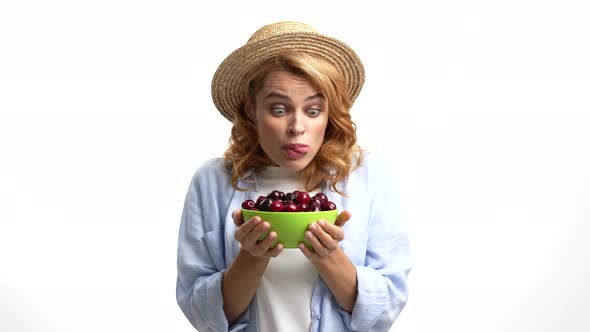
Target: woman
{"points": [[288, 92]]}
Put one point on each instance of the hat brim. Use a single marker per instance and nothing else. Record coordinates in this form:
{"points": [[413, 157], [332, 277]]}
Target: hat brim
{"points": [[226, 80]]}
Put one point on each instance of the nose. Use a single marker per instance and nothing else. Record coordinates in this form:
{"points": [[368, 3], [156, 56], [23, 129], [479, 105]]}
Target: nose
{"points": [[296, 125]]}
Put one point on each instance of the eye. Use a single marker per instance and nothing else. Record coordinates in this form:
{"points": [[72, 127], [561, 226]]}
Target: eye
{"points": [[278, 111], [313, 112]]}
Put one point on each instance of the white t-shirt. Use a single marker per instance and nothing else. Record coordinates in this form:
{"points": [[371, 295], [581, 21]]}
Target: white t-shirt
{"points": [[284, 295]]}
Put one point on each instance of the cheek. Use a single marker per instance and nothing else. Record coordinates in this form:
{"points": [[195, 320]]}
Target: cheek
{"points": [[266, 127], [320, 132], [268, 131]]}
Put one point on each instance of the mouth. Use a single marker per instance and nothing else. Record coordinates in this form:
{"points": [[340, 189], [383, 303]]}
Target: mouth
{"points": [[296, 150]]}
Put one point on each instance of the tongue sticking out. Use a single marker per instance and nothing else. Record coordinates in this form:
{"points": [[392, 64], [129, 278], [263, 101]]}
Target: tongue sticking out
{"points": [[297, 152], [300, 149]]}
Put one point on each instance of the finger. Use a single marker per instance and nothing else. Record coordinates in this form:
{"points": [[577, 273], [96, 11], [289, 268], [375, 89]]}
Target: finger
{"points": [[336, 232], [274, 252], [264, 245], [262, 248], [306, 251], [342, 218], [252, 237], [237, 217], [247, 227], [325, 239], [317, 246]]}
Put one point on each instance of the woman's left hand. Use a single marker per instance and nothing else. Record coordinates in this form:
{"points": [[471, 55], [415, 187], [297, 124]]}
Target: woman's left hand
{"points": [[324, 237]]}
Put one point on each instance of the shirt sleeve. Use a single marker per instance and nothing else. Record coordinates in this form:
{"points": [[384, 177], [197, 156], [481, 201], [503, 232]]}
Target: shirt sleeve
{"points": [[382, 279], [200, 264]]}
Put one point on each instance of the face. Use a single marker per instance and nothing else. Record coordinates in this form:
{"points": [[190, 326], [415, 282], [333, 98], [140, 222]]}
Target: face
{"points": [[291, 116]]}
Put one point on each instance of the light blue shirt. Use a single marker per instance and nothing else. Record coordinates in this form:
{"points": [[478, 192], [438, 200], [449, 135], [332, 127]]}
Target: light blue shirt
{"points": [[376, 242]]}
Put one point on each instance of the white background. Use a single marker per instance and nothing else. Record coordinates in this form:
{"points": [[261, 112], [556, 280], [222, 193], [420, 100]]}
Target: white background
{"points": [[105, 113]]}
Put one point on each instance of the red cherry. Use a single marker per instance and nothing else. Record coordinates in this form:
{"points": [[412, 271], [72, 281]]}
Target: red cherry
{"points": [[248, 204], [302, 197], [290, 196], [302, 207], [265, 204], [276, 206], [317, 200], [315, 205], [327, 206], [259, 200], [321, 196], [275, 194], [290, 208]]}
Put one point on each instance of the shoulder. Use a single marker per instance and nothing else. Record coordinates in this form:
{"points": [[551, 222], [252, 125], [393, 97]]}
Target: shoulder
{"points": [[210, 171], [210, 165]]}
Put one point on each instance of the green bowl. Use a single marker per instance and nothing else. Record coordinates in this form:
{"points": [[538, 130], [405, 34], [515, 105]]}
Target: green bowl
{"points": [[290, 226]]}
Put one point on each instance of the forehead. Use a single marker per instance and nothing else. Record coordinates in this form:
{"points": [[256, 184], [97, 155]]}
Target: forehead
{"points": [[286, 82]]}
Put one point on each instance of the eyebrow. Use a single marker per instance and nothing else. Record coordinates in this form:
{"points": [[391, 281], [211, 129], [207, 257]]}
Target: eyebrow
{"points": [[282, 96]]}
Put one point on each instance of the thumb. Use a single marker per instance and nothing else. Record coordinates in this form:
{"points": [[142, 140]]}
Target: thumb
{"points": [[237, 217], [342, 218]]}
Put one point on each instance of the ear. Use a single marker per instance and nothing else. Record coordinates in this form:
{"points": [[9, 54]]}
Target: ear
{"points": [[250, 110]]}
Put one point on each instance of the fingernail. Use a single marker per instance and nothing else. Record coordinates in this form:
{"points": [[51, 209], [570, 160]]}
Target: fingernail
{"points": [[308, 235], [312, 227], [322, 222]]}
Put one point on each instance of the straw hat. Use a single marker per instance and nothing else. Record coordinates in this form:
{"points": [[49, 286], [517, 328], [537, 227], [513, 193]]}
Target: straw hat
{"points": [[272, 39]]}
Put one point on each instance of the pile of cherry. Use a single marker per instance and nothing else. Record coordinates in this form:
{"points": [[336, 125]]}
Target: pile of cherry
{"points": [[296, 201]]}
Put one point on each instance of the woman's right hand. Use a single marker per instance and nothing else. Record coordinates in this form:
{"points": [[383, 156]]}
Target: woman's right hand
{"points": [[248, 232]]}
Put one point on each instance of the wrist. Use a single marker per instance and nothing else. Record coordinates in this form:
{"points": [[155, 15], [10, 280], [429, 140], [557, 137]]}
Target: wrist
{"points": [[334, 259], [248, 257]]}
